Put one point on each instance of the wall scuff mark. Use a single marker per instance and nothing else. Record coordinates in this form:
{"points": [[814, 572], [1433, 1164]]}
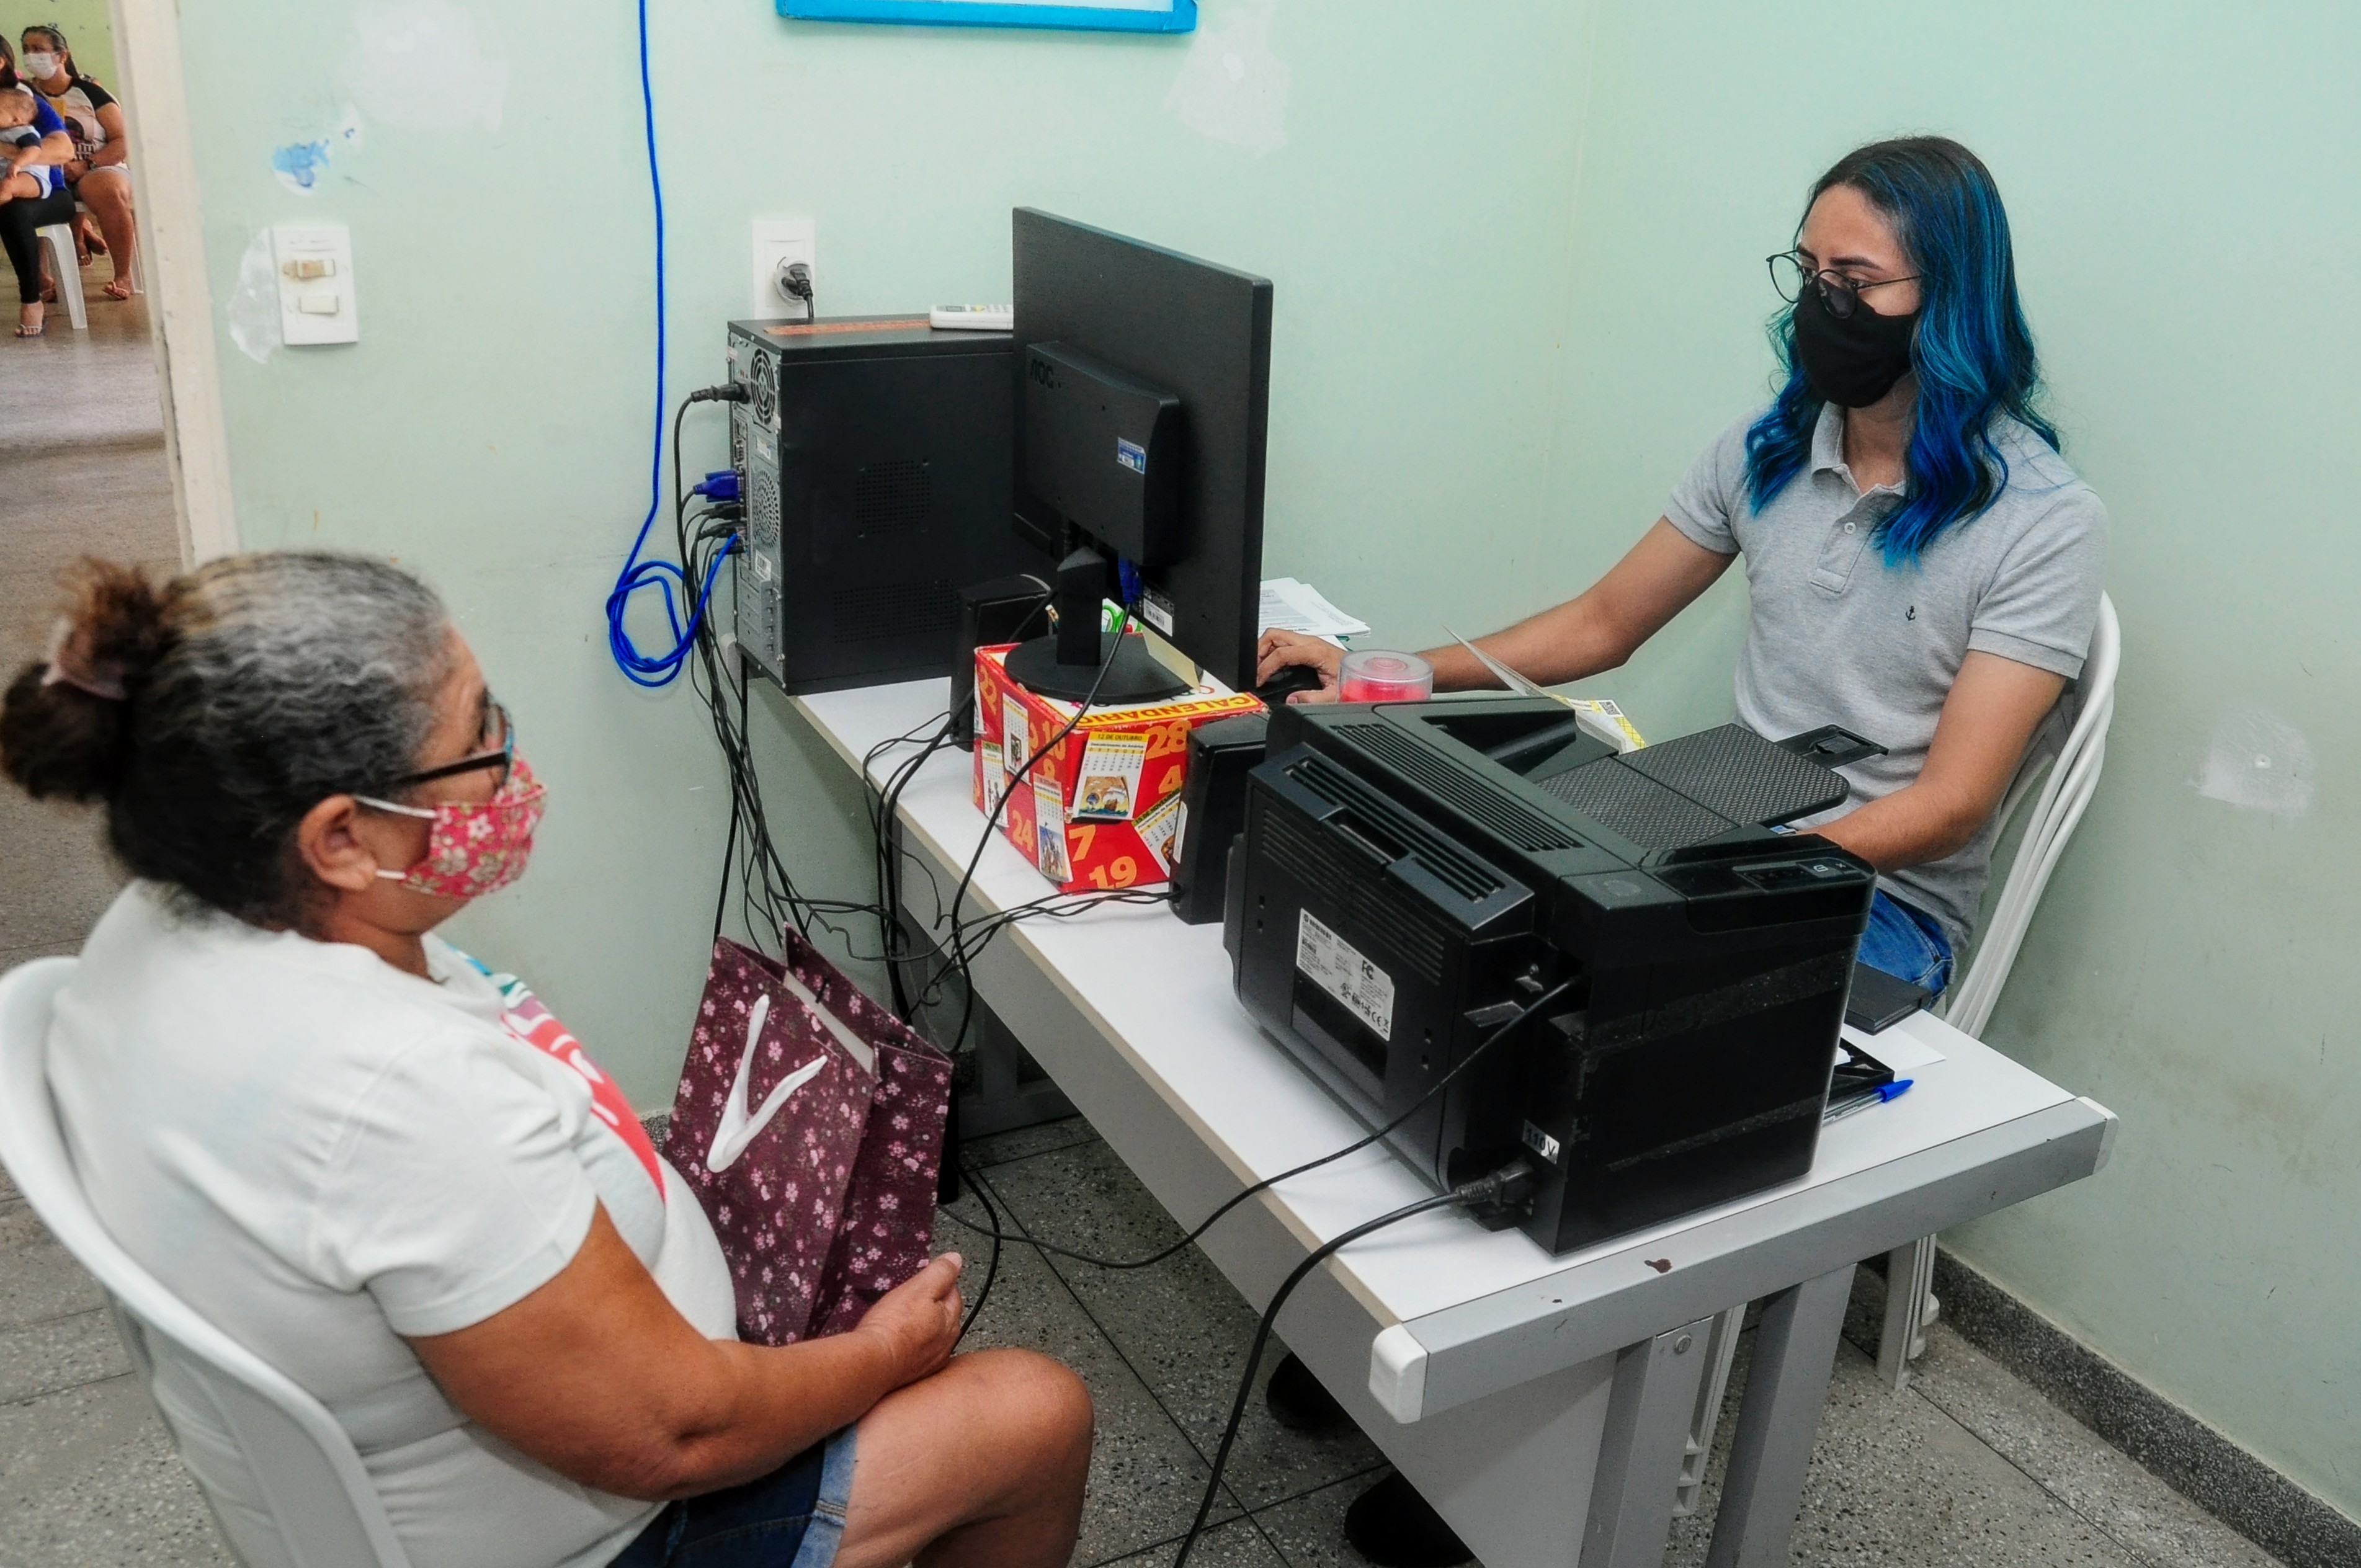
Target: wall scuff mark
{"points": [[2260, 761], [302, 165], [253, 309], [1232, 88], [426, 65]]}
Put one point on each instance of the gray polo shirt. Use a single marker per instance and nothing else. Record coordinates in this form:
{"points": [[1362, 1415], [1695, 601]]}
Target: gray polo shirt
{"points": [[1836, 636]]}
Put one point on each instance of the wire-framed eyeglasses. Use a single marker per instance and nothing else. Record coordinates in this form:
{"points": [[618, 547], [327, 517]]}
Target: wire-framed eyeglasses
{"points": [[1839, 293]]}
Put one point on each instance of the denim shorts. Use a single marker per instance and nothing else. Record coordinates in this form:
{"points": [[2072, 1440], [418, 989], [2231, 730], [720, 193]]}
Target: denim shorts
{"points": [[792, 1518], [1906, 944]]}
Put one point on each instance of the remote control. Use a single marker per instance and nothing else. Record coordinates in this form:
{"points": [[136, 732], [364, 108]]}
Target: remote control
{"points": [[973, 318]]}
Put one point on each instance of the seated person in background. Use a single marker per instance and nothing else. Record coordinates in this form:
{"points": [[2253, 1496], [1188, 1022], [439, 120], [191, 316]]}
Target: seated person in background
{"points": [[302, 1112], [22, 172], [98, 174], [1923, 567], [33, 192]]}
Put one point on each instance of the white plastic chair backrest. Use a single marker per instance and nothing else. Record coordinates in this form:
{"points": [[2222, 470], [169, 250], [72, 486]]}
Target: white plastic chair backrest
{"points": [[2067, 779], [284, 1480]]}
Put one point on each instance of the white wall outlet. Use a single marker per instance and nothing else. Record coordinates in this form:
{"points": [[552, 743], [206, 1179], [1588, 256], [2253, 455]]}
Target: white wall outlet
{"points": [[778, 243], [314, 265]]}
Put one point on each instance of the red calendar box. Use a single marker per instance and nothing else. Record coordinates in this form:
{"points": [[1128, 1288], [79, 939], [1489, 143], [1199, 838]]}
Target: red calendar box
{"points": [[1100, 810]]}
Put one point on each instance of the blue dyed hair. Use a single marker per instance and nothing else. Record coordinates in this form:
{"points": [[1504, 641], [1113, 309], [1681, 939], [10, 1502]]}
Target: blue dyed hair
{"points": [[1972, 351]]}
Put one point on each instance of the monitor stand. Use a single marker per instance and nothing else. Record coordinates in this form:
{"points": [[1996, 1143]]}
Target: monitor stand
{"points": [[1068, 665]]}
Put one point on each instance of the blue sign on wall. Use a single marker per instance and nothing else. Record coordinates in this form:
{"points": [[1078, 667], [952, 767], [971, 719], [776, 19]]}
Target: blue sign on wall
{"points": [[1105, 15]]}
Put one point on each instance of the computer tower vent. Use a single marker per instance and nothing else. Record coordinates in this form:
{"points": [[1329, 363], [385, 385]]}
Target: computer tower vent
{"points": [[765, 389], [1518, 823], [1414, 936], [893, 493], [894, 609], [762, 510]]}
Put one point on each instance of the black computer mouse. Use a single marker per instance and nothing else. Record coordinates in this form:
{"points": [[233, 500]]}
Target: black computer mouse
{"points": [[1289, 680]]}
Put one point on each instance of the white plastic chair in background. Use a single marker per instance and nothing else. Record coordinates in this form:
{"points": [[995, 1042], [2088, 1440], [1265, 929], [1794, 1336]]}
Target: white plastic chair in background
{"points": [[2067, 779], [66, 262], [282, 1479], [2066, 773]]}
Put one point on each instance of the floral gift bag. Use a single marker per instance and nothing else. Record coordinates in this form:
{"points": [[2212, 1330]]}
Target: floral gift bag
{"points": [[810, 1121], [888, 1233]]}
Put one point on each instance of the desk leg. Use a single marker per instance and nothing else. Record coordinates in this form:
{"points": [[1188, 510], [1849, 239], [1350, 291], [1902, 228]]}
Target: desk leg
{"points": [[1639, 1454], [1794, 1351]]}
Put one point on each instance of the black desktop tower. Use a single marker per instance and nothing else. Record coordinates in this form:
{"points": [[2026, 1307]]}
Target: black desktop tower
{"points": [[876, 458]]}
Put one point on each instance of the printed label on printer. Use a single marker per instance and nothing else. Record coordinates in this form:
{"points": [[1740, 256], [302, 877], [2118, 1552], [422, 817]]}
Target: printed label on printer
{"points": [[1541, 1142], [1338, 969], [1131, 454]]}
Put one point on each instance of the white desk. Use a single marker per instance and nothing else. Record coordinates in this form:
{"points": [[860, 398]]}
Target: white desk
{"points": [[1540, 1403]]}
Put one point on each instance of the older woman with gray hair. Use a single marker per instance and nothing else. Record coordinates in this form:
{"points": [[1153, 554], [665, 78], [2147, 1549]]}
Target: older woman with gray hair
{"points": [[304, 1113]]}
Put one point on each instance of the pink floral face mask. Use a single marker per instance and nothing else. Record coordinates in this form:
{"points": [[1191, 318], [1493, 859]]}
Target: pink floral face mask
{"points": [[473, 849]]}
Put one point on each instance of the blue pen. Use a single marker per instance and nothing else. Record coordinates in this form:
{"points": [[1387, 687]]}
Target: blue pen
{"points": [[1865, 1099]]}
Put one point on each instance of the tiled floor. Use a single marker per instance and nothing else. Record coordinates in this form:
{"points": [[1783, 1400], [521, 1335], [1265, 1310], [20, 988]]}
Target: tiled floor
{"points": [[1969, 1466]]}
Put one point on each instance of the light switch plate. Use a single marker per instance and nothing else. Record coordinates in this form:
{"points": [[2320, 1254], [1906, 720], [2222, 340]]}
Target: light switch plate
{"points": [[314, 267]]}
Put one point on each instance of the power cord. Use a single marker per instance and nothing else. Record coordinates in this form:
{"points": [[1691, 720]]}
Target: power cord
{"points": [[1511, 1185], [1500, 1032], [795, 281]]}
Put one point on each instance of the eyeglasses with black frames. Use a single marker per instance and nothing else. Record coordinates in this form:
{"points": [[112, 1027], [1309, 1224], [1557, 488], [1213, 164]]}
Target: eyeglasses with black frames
{"points": [[1841, 294], [498, 750]]}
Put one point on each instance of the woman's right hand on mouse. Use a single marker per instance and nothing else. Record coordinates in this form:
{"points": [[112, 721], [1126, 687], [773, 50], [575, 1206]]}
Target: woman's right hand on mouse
{"points": [[1279, 649]]}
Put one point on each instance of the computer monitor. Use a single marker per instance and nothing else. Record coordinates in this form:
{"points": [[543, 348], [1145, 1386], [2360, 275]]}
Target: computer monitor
{"points": [[1143, 410]]}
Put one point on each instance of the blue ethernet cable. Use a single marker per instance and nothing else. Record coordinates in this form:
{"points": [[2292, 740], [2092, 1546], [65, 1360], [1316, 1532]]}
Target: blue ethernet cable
{"points": [[658, 669]]}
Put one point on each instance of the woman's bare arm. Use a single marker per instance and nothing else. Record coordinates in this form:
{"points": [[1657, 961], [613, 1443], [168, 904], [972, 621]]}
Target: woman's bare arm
{"points": [[597, 1375], [1988, 720], [1658, 578]]}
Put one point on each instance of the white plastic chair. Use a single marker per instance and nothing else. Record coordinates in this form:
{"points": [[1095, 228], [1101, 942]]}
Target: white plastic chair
{"points": [[66, 262], [282, 1479], [2067, 778]]}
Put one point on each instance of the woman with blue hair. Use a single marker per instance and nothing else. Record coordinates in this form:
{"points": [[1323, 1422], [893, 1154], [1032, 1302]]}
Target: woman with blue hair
{"points": [[1923, 568]]}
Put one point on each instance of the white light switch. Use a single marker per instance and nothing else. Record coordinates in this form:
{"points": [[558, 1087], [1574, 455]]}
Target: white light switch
{"points": [[315, 283]]}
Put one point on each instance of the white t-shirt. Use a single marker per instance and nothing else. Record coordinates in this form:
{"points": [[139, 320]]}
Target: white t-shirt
{"points": [[322, 1154]]}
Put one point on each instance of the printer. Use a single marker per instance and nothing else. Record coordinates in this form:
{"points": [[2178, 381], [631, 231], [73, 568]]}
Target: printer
{"points": [[1655, 975]]}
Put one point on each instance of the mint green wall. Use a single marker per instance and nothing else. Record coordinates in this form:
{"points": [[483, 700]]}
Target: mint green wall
{"points": [[490, 427], [1518, 286], [2191, 964]]}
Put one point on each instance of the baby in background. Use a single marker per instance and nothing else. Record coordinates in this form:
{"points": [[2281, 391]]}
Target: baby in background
{"points": [[20, 144]]}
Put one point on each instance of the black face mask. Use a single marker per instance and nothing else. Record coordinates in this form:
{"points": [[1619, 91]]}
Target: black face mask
{"points": [[1854, 361]]}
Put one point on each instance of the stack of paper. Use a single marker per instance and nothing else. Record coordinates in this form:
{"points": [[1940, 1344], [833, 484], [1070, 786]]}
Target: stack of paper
{"points": [[1293, 606]]}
